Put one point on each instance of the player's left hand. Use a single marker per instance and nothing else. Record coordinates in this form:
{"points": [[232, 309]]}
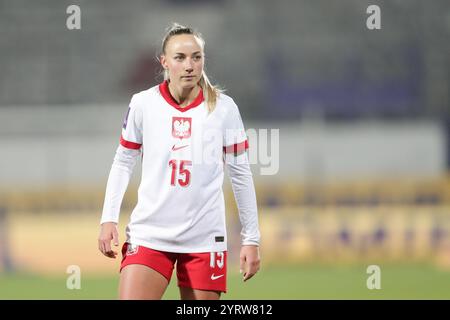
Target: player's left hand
{"points": [[249, 261]]}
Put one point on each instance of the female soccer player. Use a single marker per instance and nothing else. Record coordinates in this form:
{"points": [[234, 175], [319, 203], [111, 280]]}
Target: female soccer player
{"points": [[186, 130]]}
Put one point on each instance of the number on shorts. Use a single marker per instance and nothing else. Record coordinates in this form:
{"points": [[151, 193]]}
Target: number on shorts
{"points": [[219, 260]]}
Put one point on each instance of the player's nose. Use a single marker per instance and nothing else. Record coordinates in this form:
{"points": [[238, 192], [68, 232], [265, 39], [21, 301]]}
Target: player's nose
{"points": [[188, 65]]}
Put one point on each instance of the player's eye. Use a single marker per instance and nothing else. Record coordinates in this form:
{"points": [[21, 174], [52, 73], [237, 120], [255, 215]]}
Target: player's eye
{"points": [[178, 58], [197, 57]]}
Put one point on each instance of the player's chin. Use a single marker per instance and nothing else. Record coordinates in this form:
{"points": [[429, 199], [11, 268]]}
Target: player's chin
{"points": [[189, 82]]}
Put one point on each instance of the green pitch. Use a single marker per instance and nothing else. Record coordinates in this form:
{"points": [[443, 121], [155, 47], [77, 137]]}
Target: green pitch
{"points": [[273, 282]]}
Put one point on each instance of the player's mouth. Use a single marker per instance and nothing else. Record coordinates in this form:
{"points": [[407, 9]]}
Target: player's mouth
{"points": [[188, 77]]}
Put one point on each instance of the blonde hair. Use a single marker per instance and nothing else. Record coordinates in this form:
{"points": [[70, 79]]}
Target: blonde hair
{"points": [[210, 91]]}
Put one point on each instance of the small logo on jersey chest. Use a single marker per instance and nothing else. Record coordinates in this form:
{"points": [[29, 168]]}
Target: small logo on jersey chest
{"points": [[181, 127], [220, 239]]}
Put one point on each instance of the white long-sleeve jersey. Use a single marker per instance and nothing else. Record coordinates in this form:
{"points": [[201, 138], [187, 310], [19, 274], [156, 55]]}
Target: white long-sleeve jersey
{"points": [[180, 204]]}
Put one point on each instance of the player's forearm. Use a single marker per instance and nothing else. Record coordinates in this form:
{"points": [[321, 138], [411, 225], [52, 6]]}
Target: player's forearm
{"points": [[118, 180], [244, 193]]}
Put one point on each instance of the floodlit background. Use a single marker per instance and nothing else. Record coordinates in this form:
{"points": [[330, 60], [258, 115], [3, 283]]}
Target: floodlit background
{"points": [[361, 169]]}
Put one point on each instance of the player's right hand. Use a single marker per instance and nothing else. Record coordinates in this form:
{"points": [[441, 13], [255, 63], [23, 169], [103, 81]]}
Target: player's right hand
{"points": [[108, 232]]}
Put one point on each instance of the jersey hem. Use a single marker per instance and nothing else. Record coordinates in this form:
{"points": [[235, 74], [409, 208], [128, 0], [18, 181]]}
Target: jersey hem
{"points": [[175, 249]]}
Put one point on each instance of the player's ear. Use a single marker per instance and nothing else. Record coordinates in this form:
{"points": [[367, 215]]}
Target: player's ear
{"points": [[163, 61]]}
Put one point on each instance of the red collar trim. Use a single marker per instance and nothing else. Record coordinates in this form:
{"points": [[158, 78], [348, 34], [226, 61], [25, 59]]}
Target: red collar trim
{"points": [[165, 92]]}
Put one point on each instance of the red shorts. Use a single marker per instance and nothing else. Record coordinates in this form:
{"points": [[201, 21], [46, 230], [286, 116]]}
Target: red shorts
{"points": [[203, 271]]}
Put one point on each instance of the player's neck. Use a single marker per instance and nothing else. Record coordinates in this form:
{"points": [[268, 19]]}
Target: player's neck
{"points": [[183, 96]]}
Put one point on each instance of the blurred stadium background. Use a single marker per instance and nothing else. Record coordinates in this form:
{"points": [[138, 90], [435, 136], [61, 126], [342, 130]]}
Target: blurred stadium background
{"points": [[364, 151]]}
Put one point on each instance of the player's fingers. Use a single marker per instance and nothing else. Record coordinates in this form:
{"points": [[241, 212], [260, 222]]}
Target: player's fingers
{"points": [[103, 248], [241, 264], [247, 276], [115, 238], [109, 252], [252, 267], [107, 245], [248, 272], [112, 253]]}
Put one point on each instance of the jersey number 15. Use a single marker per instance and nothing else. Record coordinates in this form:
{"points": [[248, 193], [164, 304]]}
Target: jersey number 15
{"points": [[182, 171]]}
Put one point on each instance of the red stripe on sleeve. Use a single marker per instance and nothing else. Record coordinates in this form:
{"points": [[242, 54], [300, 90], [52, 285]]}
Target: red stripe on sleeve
{"points": [[129, 144], [236, 148]]}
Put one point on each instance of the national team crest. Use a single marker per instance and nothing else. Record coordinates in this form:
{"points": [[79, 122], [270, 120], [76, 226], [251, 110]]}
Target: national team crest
{"points": [[181, 127]]}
